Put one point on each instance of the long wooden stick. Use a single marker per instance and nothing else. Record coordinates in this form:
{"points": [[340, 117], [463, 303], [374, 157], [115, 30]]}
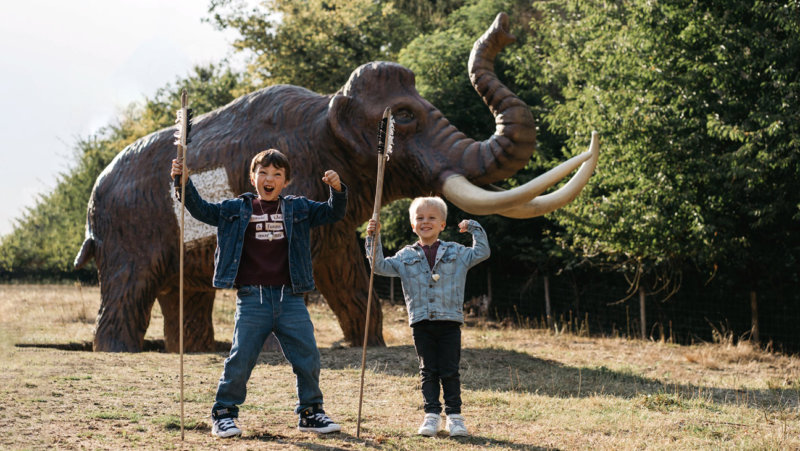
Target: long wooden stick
{"points": [[375, 216], [182, 157], [376, 212], [180, 288]]}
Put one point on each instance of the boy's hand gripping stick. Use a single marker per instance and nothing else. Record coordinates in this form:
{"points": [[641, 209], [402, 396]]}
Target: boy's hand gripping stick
{"points": [[184, 126], [385, 137]]}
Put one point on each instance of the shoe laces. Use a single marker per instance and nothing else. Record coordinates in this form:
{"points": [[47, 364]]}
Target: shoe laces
{"points": [[226, 423], [322, 417], [431, 422]]}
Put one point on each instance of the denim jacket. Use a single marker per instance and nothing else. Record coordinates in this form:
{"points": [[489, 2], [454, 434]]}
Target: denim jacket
{"points": [[232, 216], [427, 298]]}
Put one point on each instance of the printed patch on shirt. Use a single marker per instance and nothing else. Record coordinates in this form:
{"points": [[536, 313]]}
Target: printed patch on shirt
{"points": [[259, 218], [269, 236], [278, 217], [274, 226], [260, 226]]}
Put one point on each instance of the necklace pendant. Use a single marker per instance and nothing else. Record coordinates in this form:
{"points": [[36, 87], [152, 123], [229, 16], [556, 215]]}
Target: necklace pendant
{"points": [[435, 277]]}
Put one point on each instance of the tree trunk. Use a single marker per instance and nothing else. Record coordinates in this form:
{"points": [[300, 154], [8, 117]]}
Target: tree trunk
{"points": [[642, 314], [547, 309], [754, 316], [489, 287]]}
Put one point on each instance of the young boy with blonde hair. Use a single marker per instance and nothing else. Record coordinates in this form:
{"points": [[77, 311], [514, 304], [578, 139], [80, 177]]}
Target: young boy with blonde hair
{"points": [[433, 274]]}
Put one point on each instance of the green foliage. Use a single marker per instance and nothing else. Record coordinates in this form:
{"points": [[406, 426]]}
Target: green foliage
{"points": [[692, 100], [316, 43], [439, 60], [396, 229]]}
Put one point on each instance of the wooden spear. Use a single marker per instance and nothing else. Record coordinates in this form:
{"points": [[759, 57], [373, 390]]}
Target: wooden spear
{"points": [[181, 134], [385, 134]]}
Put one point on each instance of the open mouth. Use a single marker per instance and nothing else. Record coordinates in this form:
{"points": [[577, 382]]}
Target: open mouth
{"points": [[269, 189]]}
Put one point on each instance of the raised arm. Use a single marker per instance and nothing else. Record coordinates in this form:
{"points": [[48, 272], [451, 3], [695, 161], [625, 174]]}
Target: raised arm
{"points": [[480, 243], [197, 207]]}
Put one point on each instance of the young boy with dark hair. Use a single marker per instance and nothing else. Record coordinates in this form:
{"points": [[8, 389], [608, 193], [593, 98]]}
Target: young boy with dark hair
{"points": [[263, 250], [433, 274]]}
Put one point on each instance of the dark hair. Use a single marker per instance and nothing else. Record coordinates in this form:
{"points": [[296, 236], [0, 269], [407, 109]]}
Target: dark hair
{"points": [[272, 157]]}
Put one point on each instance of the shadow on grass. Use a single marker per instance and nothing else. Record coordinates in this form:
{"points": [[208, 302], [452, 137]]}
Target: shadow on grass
{"points": [[378, 443], [512, 371], [149, 346]]}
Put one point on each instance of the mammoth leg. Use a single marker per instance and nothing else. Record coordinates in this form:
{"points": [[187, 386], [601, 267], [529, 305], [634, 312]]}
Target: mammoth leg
{"points": [[127, 296], [342, 279], [198, 329]]}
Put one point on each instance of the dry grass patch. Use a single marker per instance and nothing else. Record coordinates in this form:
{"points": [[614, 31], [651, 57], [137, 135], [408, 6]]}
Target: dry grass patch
{"points": [[522, 388]]}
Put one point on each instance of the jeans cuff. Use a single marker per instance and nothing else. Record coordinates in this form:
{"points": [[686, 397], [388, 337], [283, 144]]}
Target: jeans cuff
{"points": [[225, 412]]}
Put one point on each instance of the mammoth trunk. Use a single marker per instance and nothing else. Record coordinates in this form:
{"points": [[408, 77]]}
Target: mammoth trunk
{"points": [[514, 140]]}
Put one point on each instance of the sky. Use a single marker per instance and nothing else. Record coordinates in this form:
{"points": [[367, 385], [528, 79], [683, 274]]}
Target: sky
{"points": [[69, 67]]}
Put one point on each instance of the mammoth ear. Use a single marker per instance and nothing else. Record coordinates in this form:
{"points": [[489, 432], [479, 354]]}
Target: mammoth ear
{"points": [[347, 121]]}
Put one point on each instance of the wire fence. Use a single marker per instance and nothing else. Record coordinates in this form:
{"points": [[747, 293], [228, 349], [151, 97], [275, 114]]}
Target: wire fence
{"points": [[590, 302]]}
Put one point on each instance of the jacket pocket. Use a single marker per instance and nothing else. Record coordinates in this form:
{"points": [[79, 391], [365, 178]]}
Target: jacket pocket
{"points": [[447, 264], [412, 265]]}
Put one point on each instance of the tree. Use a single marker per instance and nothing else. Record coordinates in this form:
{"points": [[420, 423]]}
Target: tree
{"points": [[700, 138], [317, 43]]}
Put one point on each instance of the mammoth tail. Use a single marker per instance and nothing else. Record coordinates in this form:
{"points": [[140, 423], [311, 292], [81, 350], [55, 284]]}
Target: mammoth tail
{"points": [[86, 253], [89, 244]]}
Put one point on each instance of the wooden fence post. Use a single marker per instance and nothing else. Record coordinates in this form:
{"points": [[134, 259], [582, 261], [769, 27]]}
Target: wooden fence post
{"points": [[547, 308], [489, 286], [754, 315], [642, 314]]}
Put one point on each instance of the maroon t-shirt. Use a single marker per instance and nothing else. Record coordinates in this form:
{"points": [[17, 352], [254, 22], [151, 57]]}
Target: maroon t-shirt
{"points": [[430, 252], [265, 253]]}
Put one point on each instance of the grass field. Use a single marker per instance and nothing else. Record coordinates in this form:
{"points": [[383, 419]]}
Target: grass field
{"points": [[522, 388]]}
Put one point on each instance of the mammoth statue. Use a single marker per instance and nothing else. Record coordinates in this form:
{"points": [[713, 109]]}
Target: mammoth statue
{"points": [[132, 220]]}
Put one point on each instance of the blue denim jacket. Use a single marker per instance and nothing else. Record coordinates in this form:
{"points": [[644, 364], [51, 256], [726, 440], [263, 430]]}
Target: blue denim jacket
{"points": [[427, 298], [232, 216]]}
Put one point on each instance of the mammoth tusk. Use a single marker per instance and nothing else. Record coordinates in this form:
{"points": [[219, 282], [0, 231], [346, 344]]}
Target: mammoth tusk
{"points": [[524, 201]]}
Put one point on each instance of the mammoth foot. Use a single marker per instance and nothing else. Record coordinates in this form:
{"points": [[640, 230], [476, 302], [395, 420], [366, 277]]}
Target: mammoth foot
{"points": [[198, 329]]}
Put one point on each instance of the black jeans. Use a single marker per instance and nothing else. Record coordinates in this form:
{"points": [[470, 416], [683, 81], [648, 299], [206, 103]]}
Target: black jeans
{"points": [[438, 345]]}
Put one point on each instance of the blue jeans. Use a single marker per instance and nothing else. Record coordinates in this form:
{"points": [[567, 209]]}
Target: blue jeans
{"points": [[259, 311]]}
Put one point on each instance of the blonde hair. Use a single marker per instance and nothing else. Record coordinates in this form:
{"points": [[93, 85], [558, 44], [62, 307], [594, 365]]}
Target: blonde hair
{"points": [[434, 201]]}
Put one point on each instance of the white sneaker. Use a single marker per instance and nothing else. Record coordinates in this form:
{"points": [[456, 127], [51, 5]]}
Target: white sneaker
{"points": [[430, 425], [225, 427], [455, 424]]}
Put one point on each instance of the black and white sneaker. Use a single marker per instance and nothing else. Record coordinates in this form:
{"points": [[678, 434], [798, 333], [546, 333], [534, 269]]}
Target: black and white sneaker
{"points": [[313, 419], [225, 427]]}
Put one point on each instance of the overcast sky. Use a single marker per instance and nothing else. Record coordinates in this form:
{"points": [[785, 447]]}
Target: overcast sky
{"points": [[69, 67]]}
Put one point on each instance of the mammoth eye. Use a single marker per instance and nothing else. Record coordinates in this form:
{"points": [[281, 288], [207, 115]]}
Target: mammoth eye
{"points": [[403, 116]]}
